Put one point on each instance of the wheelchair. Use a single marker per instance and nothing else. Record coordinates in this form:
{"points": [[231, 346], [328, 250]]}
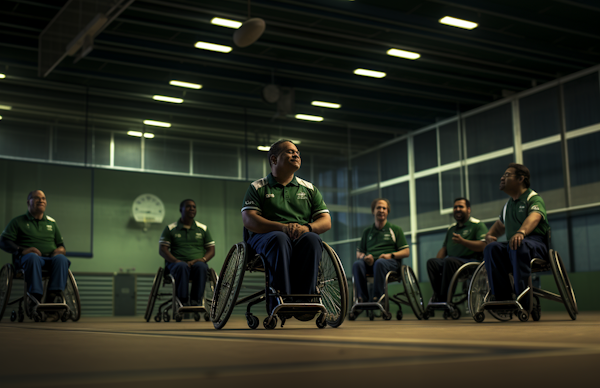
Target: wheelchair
{"points": [[479, 293], [164, 278], [462, 276], [411, 296], [69, 308], [330, 302]]}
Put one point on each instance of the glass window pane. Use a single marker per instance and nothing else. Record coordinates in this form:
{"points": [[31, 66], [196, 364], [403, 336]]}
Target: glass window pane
{"points": [[428, 246], [128, 151], [24, 140], [560, 238], [451, 187], [361, 209], [68, 144], [584, 166], [215, 159], [586, 244], [167, 154], [398, 195], [99, 148], [339, 227], [394, 160], [489, 131], [545, 166], [425, 150], [331, 178], [449, 143], [484, 180], [582, 99], [365, 170], [428, 195], [257, 164], [540, 115]]}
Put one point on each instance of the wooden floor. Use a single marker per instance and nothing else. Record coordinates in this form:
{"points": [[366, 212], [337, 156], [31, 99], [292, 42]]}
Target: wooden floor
{"points": [[128, 352]]}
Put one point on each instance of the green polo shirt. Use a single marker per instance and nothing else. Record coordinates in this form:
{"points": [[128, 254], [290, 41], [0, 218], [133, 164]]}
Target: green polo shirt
{"points": [[514, 213], [387, 240], [300, 201], [27, 232], [473, 230], [187, 244]]}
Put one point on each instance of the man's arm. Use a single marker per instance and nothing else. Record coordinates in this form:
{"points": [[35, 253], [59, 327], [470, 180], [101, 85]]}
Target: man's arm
{"points": [[442, 253], [59, 251], [209, 254], [530, 223], [14, 249], [496, 231], [256, 223], [166, 254], [475, 246], [401, 254]]}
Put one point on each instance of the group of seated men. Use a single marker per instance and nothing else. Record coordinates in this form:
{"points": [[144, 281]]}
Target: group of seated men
{"points": [[285, 215]]}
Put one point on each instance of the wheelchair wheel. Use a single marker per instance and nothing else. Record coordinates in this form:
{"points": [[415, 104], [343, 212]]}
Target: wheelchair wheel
{"points": [[536, 312], [399, 315], [333, 287], [6, 277], [228, 286], [209, 289], [563, 284], [271, 325], [478, 291], [413, 291], [72, 298], [153, 294]]}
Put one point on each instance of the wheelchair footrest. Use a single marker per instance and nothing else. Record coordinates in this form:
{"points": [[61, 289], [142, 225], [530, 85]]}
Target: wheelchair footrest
{"points": [[298, 307], [367, 306], [440, 306], [501, 305], [192, 309], [51, 307]]}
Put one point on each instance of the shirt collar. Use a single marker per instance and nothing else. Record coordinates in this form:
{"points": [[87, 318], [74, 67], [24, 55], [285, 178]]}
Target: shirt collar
{"points": [[30, 217], [180, 224], [524, 195], [467, 222], [272, 182], [387, 225]]}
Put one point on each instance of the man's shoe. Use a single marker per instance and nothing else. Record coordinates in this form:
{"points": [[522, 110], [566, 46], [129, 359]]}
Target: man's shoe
{"points": [[52, 316]]}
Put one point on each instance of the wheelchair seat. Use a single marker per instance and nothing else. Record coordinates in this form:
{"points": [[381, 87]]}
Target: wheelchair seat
{"points": [[410, 296]]}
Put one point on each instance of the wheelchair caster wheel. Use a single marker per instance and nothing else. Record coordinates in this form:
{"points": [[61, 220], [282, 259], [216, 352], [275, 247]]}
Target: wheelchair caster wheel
{"points": [[399, 315], [206, 317], [523, 316], [196, 317], [426, 314], [65, 316], [178, 317], [157, 318], [479, 317], [38, 318], [536, 313], [321, 322], [387, 316], [446, 314], [166, 317], [21, 317], [371, 315], [13, 316], [252, 321], [352, 317], [455, 314], [271, 325]]}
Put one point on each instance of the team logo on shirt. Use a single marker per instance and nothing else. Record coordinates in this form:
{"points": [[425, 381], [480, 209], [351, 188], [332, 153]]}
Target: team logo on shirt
{"points": [[177, 235], [465, 233], [249, 202], [49, 228], [535, 207], [386, 236], [301, 195], [269, 195], [521, 208], [198, 235]]}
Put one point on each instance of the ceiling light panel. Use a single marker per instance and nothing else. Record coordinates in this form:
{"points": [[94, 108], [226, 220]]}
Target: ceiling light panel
{"points": [[226, 23], [403, 54], [182, 84], [168, 99], [323, 104], [157, 123], [263, 148], [460, 23], [309, 117], [5, 107], [212, 47], [370, 73]]}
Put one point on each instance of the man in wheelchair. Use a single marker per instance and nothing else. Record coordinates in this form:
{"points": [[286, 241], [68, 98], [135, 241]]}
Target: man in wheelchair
{"points": [[285, 216], [464, 242], [36, 244], [186, 246], [525, 223]]}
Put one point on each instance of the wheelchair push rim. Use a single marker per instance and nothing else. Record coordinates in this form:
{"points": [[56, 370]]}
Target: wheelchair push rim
{"points": [[6, 276], [228, 286], [153, 294], [413, 291], [478, 289], [72, 298], [333, 287], [563, 284]]}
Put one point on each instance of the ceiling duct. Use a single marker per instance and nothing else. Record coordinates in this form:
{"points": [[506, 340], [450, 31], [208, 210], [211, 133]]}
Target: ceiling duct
{"points": [[73, 30]]}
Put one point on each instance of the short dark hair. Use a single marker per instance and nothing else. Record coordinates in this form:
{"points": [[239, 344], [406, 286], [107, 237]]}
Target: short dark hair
{"points": [[523, 171], [374, 203], [30, 195], [183, 203], [275, 149], [463, 199]]}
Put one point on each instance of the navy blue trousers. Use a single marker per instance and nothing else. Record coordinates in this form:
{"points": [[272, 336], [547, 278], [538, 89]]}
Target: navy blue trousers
{"points": [[293, 265], [57, 266], [500, 260], [182, 274], [441, 272], [379, 269]]}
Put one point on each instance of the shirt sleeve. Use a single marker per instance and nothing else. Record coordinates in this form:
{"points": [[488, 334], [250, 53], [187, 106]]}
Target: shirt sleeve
{"points": [[537, 205], [166, 238], [501, 216], [11, 231], [58, 239], [318, 205], [481, 231], [251, 200], [362, 246], [208, 241], [446, 237], [400, 239]]}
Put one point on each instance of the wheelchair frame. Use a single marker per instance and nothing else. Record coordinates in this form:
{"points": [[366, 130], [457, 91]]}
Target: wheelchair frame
{"points": [[230, 281], [173, 303], [412, 298], [70, 308], [450, 306], [506, 308]]}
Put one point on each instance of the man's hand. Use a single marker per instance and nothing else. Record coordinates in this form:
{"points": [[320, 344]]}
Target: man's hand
{"points": [[386, 256], [294, 230], [31, 250], [515, 241], [59, 251], [369, 259], [457, 238], [490, 239]]}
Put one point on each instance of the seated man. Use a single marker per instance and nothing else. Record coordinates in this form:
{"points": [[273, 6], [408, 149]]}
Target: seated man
{"points": [[464, 242], [381, 250], [36, 243], [524, 220], [285, 215], [186, 246]]}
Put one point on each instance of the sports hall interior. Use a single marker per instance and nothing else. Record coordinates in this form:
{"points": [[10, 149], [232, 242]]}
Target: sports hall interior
{"points": [[78, 84]]}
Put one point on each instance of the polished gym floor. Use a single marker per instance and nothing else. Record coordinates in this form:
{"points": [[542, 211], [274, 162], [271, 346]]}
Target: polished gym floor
{"points": [[128, 352]]}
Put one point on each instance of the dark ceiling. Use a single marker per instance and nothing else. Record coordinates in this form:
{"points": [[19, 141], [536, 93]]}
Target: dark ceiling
{"points": [[313, 47]]}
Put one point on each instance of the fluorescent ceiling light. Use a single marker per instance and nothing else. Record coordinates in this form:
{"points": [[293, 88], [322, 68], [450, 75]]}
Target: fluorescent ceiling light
{"points": [[157, 123], [370, 73], [212, 47], [226, 23], [324, 104], [263, 148], [168, 99], [134, 133], [2, 76], [0, 117], [149, 135], [185, 84], [449, 20], [5, 107], [403, 54], [309, 118]]}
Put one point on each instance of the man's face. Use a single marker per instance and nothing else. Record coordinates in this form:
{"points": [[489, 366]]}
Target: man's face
{"points": [[188, 210], [289, 157], [37, 203], [461, 211], [381, 211], [509, 180]]}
